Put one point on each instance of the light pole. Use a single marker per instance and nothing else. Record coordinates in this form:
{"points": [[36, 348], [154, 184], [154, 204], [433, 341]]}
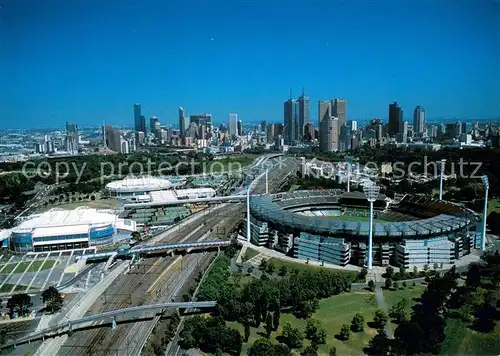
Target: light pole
{"points": [[441, 179], [371, 193], [248, 212], [348, 176], [486, 185], [267, 182]]}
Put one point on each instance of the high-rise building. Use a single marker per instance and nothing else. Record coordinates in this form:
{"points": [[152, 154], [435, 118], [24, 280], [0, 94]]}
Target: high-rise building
{"points": [[232, 124], [137, 118], [329, 134], [419, 121], [395, 119], [291, 121], [324, 111], [353, 125], [72, 138], [339, 109], [183, 121], [113, 139], [309, 132], [143, 127], [153, 120], [303, 114], [240, 128], [263, 126]]}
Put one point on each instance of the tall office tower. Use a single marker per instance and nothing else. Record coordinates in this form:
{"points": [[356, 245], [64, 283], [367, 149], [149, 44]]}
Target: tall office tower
{"points": [[240, 128], [263, 126], [72, 138], [291, 121], [278, 129], [303, 114], [419, 121], [329, 134], [352, 125], [339, 109], [152, 124], [232, 124], [324, 111], [183, 121], [157, 130], [143, 127], [113, 139], [309, 132], [139, 138], [395, 119], [463, 129], [270, 133], [192, 130], [137, 118]]}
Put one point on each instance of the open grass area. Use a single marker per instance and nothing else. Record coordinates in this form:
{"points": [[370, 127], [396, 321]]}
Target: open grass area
{"points": [[332, 313], [25, 266], [303, 266], [249, 253], [109, 203], [461, 340], [6, 288], [411, 293], [228, 164]]}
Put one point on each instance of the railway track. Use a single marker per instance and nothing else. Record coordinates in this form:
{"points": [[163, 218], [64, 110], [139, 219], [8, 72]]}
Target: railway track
{"points": [[149, 281]]}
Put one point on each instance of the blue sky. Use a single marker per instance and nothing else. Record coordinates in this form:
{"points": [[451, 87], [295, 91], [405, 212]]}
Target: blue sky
{"points": [[89, 61]]}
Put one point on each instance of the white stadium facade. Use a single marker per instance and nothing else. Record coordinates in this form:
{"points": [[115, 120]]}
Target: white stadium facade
{"points": [[137, 186], [69, 229]]}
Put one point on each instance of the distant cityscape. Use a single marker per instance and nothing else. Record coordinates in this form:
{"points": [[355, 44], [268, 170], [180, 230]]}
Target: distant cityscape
{"points": [[297, 133]]}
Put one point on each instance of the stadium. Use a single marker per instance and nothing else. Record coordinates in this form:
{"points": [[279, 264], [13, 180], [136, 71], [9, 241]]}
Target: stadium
{"points": [[332, 226], [136, 186], [69, 229]]}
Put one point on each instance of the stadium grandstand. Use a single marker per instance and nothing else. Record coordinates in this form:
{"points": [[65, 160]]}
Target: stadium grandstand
{"points": [[137, 186], [69, 229], [332, 226]]}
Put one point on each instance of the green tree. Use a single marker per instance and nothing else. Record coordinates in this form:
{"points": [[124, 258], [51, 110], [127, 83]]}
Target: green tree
{"points": [[380, 319], [388, 283], [404, 284], [362, 274], [371, 285], [19, 303], [292, 337], [333, 351], [52, 299], [395, 285], [276, 319], [358, 322], [345, 332], [309, 351], [380, 344], [247, 332], [270, 267], [261, 347], [263, 264], [389, 272], [269, 325], [283, 271], [401, 311]]}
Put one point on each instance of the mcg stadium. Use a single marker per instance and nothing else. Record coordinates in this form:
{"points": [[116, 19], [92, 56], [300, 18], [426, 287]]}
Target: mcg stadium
{"points": [[69, 229], [332, 226]]}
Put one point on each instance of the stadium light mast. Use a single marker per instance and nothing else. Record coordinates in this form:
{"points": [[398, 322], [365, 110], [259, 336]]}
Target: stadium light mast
{"points": [[349, 176], [441, 179], [371, 191], [248, 212], [267, 182], [486, 185]]}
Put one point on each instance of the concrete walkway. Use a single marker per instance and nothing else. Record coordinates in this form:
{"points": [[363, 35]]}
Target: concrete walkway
{"points": [[383, 306]]}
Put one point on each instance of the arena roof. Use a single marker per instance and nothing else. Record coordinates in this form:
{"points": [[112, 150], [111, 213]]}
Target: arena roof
{"points": [[134, 184], [60, 222], [266, 208]]}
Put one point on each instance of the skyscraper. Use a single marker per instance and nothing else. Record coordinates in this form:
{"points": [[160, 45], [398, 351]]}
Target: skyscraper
{"points": [[240, 128], [72, 138], [137, 118], [153, 120], [329, 134], [291, 121], [143, 125], [303, 114], [395, 119], [183, 122], [232, 124], [419, 121], [324, 111], [339, 109]]}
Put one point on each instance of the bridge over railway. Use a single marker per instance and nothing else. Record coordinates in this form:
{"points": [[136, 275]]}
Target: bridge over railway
{"points": [[70, 325], [182, 246]]}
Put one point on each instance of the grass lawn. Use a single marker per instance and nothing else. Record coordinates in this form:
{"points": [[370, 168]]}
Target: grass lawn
{"points": [[302, 267], [332, 313], [228, 164], [23, 266], [249, 253], [6, 288], [460, 340], [392, 297]]}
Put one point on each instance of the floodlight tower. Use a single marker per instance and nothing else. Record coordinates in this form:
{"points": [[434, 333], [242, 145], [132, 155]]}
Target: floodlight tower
{"points": [[486, 185], [443, 161], [248, 212], [371, 193]]}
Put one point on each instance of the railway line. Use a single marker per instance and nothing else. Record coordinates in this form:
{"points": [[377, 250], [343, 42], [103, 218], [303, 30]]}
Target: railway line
{"points": [[151, 280]]}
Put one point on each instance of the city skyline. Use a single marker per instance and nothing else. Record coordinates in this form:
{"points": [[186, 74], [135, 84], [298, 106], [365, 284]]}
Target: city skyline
{"points": [[57, 67]]}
